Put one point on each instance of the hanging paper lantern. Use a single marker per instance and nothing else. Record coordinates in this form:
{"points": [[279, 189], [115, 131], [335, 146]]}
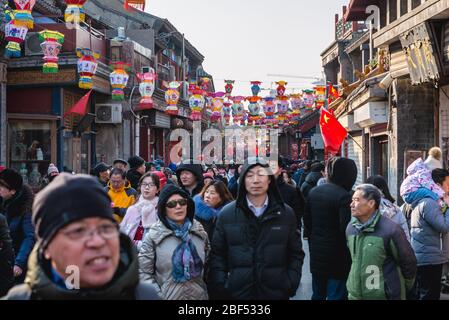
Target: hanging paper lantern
{"points": [[192, 87], [320, 96], [269, 109], [197, 103], [172, 96], [75, 11], [204, 83], [296, 103], [254, 117], [229, 87], [282, 105], [281, 88], [51, 43], [238, 110], [15, 34], [217, 106], [146, 88], [22, 14], [136, 4], [87, 67], [255, 88], [119, 79], [226, 111], [308, 99]]}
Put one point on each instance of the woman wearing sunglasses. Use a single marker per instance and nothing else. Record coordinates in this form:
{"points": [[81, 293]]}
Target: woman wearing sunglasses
{"points": [[143, 214], [174, 252]]}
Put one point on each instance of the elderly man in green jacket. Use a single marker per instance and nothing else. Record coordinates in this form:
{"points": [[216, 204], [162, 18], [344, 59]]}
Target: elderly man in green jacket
{"points": [[383, 262]]}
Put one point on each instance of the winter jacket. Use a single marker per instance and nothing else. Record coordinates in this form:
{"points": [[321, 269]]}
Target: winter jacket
{"points": [[297, 175], [310, 183], [6, 258], [428, 225], [392, 212], [291, 196], [125, 284], [380, 250], [133, 177], [197, 171], [155, 257], [122, 199], [144, 211], [255, 258], [18, 214], [419, 176], [233, 185], [206, 215], [326, 217]]}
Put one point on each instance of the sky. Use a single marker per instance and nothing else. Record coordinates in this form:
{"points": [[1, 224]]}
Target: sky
{"points": [[246, 40]]}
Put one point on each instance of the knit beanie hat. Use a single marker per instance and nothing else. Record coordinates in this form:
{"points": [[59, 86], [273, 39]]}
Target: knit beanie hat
{"points": [[52, 170], [11, 179], [67, 199], [135, 162]]}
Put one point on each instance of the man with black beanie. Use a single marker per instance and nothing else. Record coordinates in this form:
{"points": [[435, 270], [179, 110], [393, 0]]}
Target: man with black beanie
{"points": [[136, 171], [80, 253]]}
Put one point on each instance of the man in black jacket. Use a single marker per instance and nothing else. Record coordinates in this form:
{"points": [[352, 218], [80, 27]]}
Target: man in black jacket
{"points": [[190, 177], [316, 173], [6, 257], [256, 249], [326, 217]]}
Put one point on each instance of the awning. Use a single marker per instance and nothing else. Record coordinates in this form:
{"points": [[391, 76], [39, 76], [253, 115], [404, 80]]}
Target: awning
{"points": [[356, 9]]}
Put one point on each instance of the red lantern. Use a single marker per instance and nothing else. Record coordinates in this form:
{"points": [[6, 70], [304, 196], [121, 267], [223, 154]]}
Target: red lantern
{"points": [[87, 67]]}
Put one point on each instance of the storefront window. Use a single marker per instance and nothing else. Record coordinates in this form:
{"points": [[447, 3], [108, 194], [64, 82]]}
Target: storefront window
{"points": [[30, 150]]}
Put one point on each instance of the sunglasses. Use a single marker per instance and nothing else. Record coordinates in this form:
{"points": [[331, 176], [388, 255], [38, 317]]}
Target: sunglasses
{"points": [[172, 204]]}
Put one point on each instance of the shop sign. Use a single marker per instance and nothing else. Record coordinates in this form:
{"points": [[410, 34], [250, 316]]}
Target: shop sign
{"points": [[64, 76]]}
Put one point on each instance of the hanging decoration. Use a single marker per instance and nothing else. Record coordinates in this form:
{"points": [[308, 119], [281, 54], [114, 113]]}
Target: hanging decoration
{"points": [[87, 67], [217, 106], [75, 11], [229, 87], [226, 111], [282, 105], [172, 96], [254, 117], [238, 110], [119, 79], [281, 88], [15, 34], [320, 96], [269, 109], [192, 86], [22, 14], [204, 83], [136, 4], [296, 104], [308, 99], [51, 43], [146, 88], [196, 103], [255, 88]]}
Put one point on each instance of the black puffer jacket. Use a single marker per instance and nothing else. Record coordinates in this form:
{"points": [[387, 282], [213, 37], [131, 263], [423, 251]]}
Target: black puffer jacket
{"points": [[310, 183], [6, 258], [125, 284], [197, 171], [133, 177], [326, 217], [293, 198], [255, 258]]}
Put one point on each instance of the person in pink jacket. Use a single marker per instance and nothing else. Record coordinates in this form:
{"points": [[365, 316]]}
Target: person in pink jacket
{"points": [[143, 214]]}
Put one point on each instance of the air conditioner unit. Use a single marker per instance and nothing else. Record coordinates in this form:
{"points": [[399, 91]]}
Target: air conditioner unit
{"points": [[33, 45], [147, 69], [108, 113]]}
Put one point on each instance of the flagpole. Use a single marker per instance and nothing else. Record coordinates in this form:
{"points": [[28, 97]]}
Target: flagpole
{"points": [[349, 135]]}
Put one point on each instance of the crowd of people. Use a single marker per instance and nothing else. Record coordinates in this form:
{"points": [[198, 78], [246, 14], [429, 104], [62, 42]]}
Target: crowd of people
{"points": [[138, 230]]}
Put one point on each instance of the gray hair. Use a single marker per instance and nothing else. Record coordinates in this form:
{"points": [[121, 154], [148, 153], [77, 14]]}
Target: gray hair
{"points": [[370, 192]]}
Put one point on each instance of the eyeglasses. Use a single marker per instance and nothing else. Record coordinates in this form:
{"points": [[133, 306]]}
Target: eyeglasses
{"points": [[172, 204], [106, 231], [147, 185]]}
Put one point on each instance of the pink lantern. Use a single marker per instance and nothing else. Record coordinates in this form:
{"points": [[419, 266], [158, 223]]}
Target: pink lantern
{"points": [[146, 88], [229, 87], [87, 67], [217, 106], [172, 96], [119, 79], [51, 43], [282, 105]]}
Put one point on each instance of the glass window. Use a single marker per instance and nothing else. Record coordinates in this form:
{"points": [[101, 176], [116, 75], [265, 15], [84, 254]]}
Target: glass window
{"points": [[30, 150]]}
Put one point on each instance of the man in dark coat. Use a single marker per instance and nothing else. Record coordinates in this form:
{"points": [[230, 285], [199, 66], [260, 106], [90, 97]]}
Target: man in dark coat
{"points": [[6, 258], [326, 217], [136, 171], [190, 178], [256, 249], [80, 253], [316, 173], [17, 203]]}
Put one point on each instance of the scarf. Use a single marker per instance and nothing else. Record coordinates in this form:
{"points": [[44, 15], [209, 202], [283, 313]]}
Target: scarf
{"points": [[186, 262], [362, 226]]}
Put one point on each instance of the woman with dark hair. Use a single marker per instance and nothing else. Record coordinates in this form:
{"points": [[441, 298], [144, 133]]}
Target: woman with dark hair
{"points": [[209, 203], [143, 214], [387, 207]]}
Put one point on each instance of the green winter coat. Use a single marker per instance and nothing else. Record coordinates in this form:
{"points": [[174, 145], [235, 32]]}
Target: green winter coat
{"points": [[383, 262]]}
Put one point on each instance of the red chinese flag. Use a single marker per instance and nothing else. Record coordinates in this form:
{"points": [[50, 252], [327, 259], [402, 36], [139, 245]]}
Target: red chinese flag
{"points": [[332, 131], [80, 107]]}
